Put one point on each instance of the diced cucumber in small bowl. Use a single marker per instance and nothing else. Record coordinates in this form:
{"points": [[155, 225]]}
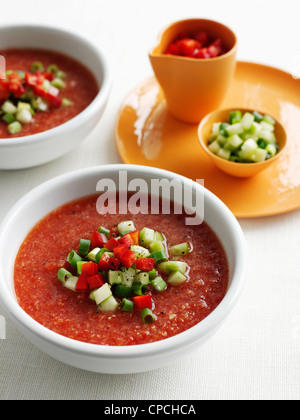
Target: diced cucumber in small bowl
{"points": [[242, 142]]}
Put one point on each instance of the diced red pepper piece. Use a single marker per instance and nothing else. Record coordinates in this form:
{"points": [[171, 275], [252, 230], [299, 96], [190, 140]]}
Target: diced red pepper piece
{"points": [[120, 250], [49, 76], [187, 46], [126, 240], [145, 264], [98, 240], [128, 259], [142, 302], [53, 100], [107, 263], [96, 281], [202, 38], [135, 237], [82, 283], [89, 269], [112, 244]]}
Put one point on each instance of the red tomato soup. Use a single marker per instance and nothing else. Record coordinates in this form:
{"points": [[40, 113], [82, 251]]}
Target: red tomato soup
{"points": [[54, 87], [75, 315]]}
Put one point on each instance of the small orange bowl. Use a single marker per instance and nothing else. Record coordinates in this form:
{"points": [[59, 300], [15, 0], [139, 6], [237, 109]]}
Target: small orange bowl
{"points": [[237, 169]]}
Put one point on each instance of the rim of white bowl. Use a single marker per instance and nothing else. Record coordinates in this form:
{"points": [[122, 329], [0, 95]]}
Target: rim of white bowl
{"points": [[91, 109], [169, 345]]}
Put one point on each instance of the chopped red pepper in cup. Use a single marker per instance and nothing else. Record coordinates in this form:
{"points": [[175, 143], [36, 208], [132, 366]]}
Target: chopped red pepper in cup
{"points": [[124, 268], [197, 45]]}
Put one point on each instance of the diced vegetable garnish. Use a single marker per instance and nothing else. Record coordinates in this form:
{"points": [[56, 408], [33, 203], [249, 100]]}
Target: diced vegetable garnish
{"points": [[127, 271], [22, 94], [245, 138]]}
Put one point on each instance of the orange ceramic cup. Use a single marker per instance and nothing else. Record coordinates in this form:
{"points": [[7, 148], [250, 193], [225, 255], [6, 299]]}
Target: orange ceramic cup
{"points": [[194, 87]]}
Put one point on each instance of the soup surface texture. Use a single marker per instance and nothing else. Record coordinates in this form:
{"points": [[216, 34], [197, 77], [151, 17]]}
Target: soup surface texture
{"points": [[75, 315]]}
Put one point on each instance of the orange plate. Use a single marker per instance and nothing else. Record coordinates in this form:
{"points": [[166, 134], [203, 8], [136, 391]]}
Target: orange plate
{"points": [[147, 134]]}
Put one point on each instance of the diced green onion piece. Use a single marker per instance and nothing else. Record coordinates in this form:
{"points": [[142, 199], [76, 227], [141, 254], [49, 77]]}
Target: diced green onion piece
{"points": [[14, 128], [39, 104], [61, 74], [139, 289], [9, 108], [180, 249], [176, 278], [53, 69], [104, 230], [235, 117], [223, 129], [147, 316], [79, 266], [9, 118], [127, 305], [159, 284], [73, 259], [125, 227], [152, 274], [92, 256], [269, 119], [159, 256], [84, 247], [122, 291], [71, 283], [63, 275], [37, 66]]}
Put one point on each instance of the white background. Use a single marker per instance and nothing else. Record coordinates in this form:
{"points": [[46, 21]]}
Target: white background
{"points": [[256, 354]]}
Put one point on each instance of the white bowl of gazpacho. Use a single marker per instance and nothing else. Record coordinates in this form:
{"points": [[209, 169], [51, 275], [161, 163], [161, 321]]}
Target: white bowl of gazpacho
{"points": [[54, 86], [121, 268]]}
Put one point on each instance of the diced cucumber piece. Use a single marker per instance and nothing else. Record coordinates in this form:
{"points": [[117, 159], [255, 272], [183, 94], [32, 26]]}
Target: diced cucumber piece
{"points": [[108, 305], [176, 278], [257, 116], [269, 119], [259, 155], [58, 83], [221, 140], [234, 129], [233, 143], [249, 146], [103, 293], [267, 135], [24, 116], [142, 278], [23, 105], [128, 276], [267, 126], [169, 267], [140, 251], [235, 117], [9, 118], [126, 226], [215, 128], [147, 236], [115, 277], [71, 283], [180, 249], [272, 149], [224, 154], [159, 237], [9, 108], [39, 104], [14, 128], [214, 147], [255, 129], [157, 246], [247, 120]]}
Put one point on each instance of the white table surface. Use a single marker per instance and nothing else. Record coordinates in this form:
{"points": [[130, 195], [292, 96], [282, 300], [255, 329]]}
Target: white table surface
{"points": [[256, 354]]}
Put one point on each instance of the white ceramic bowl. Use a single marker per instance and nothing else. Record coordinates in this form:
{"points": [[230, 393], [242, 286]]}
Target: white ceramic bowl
{"points": [[37, 149], [105, 359]]}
